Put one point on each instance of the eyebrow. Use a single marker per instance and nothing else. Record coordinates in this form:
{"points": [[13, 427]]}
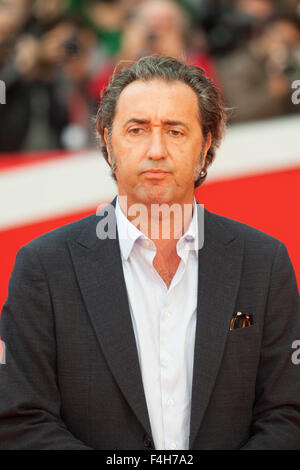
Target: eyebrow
{"points": [[147, 121]]}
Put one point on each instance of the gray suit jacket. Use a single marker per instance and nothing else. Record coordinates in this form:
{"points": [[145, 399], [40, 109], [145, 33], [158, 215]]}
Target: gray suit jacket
{"points": [[72, 378]]}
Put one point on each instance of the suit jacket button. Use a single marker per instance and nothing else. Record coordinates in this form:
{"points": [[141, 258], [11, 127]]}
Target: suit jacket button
{"points": [[148, 442]]}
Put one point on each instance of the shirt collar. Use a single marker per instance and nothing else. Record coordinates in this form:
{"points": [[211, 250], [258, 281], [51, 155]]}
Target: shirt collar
{"points": [[128, 233], [190, 237]]}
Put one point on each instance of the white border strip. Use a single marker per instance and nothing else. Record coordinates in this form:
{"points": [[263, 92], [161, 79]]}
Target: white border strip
{"points": [[258, 147], [53, 188]]}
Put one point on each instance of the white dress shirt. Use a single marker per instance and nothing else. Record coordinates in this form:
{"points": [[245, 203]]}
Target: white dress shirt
{"points": [[164, 323]]}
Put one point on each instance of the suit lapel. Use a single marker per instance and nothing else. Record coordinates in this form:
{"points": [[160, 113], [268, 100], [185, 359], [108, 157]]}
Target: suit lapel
{"points": [[98, 267], [220, 264]]}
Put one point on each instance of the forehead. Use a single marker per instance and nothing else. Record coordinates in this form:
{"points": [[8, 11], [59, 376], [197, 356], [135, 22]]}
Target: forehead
{"points": [[157, 100]]}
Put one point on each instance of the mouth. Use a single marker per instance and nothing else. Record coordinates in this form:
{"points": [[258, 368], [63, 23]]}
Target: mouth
{"points": [[155, 170], [155, 173]]}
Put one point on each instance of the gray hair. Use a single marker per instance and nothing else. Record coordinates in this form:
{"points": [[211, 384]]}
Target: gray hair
{"points": [[211, 108]]}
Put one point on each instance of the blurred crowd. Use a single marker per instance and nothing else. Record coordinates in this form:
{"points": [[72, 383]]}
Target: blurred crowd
{"points": [[57, 55]]}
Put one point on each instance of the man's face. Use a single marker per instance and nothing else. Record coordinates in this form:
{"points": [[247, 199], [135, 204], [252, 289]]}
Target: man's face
{"points": [[157, 142], [13, 14]]}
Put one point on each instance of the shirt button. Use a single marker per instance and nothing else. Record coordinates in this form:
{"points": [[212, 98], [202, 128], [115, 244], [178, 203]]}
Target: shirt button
{"points": [[170, 402], [166, 359], [167, 313], [173, 446]]}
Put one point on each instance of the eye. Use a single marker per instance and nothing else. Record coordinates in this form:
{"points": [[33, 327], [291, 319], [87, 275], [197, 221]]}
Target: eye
{"points": [[135, 130], [176, 133]]}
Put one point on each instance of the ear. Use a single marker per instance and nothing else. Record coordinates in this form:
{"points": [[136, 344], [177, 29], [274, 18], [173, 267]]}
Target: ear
{"points": [[206, 149], [105, 137]]}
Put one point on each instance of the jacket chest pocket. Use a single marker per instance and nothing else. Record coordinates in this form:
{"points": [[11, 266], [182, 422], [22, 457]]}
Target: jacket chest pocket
{"points": [[242, 350]]}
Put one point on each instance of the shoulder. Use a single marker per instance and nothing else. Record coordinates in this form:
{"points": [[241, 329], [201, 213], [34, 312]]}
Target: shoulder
{"points": [[56, 240], [252, 237], [261, 251]]}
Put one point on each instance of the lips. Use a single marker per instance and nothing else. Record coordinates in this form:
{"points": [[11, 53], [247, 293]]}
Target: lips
{"points": [[155, 174], [155, 170]]}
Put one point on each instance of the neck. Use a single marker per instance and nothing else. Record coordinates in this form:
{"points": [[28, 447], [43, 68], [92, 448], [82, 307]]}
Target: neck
{"points": [[162, 223]]}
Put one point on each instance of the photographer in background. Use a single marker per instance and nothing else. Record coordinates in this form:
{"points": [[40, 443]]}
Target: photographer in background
{"points": [[158, 27], [257, 79], [46, 78], [228, 24], [14, 20]]}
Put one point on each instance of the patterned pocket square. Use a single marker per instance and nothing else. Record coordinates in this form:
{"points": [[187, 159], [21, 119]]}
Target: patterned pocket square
{"points": [[240, 320]]}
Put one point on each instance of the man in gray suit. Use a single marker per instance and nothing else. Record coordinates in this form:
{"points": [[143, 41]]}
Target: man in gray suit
{"points": [[158, 331]]}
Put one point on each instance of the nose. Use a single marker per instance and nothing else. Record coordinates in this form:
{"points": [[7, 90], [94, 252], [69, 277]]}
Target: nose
{"points": [[157, 147]]}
